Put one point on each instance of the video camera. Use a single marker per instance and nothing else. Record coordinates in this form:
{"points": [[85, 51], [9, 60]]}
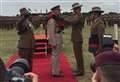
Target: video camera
{"points": [[16, 71], [106, 43]]}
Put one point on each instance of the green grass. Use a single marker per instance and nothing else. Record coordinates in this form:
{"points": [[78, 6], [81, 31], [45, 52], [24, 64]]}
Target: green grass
{"points": [[8, 46]]}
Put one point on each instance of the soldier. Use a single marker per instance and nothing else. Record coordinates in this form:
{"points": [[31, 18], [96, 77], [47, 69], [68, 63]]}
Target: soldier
{"points": [[54, 34], [77, 22], [98, 26], [25, 32]]}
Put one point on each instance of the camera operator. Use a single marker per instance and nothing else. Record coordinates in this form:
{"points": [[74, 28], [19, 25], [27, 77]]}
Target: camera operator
{"points": [[107, 62], [107, 67], [17, 72], [25, 32]]}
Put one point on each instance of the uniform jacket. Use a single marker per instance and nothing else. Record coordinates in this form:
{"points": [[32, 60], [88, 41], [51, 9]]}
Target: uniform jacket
{"points": [[26, 39], [77, 22], [98, 27], [53, 28]]}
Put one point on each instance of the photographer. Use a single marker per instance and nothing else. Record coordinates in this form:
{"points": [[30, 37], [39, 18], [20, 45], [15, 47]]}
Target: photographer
{"points": [[17, 72], [25, 32], [106, 66]]}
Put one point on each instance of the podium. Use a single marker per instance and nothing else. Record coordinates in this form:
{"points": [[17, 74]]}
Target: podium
{"points": [[41, 46]]}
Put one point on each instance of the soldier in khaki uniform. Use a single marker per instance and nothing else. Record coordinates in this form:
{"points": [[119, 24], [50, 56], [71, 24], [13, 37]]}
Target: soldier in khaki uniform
{"points": [[55, 41], [98, 25], [25, 32], [77, 22]]}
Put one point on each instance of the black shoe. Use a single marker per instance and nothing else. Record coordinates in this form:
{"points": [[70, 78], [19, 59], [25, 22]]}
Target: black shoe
{"points": [[78, 73], [60, 75]]}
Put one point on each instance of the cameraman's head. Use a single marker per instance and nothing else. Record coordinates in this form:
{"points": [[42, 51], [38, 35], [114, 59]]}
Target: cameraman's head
{"points": [[2, 71], [107, 67]]}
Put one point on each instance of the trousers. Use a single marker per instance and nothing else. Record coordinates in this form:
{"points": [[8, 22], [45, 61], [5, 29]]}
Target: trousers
{"points": [[56, 55], [78, 53], [27, 54]]}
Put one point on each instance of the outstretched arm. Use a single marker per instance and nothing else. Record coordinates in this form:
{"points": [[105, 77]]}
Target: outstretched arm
{"points": [[72, 19]]}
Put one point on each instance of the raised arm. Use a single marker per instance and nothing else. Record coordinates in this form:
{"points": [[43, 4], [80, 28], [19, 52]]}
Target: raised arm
{"points": [[72, 19]]}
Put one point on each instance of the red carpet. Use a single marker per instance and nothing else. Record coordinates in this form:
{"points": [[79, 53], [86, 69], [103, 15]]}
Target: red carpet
{"points": [[42, 67], [11, 60]]}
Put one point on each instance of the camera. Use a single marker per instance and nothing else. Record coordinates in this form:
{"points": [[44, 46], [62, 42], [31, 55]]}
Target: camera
{"points": [[15, 73], [107, 43]]}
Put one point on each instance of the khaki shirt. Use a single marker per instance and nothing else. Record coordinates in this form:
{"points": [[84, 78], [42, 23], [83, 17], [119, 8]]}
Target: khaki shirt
{"points": [[52, 28], [77, 22], [98, 27]]}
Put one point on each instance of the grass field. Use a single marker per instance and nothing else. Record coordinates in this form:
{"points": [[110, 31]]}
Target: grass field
{"points": [[8, 46]]}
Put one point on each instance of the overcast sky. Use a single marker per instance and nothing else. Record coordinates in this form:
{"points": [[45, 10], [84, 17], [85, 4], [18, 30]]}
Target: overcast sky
{"points": [[11, 7]]}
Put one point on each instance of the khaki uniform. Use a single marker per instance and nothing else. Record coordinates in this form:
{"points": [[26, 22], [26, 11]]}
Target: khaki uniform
{"points": [[77, 22], [26, 40], [98, 28], [54, 40]]}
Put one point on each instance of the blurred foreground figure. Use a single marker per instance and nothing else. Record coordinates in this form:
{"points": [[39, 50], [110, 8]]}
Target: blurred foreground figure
{"points": [[77, 22], [107, 67], [17, 72], [25, 32]]}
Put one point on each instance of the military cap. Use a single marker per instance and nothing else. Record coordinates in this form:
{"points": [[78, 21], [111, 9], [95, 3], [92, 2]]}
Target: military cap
{"points": [[55, 7], [96, 9], [108, 58], [24, 10], [76, 5]]}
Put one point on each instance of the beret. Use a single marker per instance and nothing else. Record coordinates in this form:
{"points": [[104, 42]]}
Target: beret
{"points": [[108, 58]]}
